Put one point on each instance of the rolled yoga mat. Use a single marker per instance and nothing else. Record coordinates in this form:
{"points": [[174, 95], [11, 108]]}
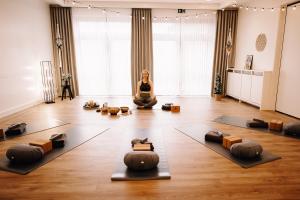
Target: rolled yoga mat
{"points": [[242, 122], [74, 138], [197, 133], [37, 126], [122, 173]]}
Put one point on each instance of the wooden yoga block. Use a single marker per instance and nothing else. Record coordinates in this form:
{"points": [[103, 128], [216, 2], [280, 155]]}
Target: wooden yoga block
{"points": [[175, 108], [142, 147], [46, 145], [1, 133], [276, 125], [230, 140]]}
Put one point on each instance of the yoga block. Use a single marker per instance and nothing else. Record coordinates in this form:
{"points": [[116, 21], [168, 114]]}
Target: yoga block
{"points": [[138, 141], [58, 140], [142, 147], [214, 136], [175, 108], [1, 134], [230, 140], [15, 129], [59, 143], [46, 145], [257, 123], [276, 125]]}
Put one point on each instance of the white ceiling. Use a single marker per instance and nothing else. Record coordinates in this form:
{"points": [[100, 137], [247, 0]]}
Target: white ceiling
{"points": [[185, 4]]}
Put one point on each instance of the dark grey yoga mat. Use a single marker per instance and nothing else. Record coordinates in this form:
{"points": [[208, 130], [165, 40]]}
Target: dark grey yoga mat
{"points": [[241, 122], [35, 127], [75, 137], [197, 133], [121, 172]]}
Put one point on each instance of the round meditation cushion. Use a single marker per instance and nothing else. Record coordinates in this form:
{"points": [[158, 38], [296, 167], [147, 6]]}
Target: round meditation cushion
{"points": [[246, 150], [24, 154], [292, 129], [141, 160]]}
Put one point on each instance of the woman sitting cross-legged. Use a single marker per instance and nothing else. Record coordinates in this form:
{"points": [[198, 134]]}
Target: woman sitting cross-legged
{"points": [[144, 97]]}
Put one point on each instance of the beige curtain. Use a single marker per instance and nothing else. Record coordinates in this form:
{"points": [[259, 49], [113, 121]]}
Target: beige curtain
{"points": [[62, 17], [141, 45], [226, 20]]}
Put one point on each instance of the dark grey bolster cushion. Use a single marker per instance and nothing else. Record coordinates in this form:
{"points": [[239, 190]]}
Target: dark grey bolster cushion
{"points": [[141, 160], [246, 150], [292, 129], [24, 154]]}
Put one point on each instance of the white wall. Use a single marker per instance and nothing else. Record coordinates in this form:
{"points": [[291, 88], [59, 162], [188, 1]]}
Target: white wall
{"points": [[250, 25], [25, 40]]}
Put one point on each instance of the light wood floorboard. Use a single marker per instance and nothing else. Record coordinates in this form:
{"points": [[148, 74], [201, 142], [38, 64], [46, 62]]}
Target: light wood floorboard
{"points": [[197, 172]]}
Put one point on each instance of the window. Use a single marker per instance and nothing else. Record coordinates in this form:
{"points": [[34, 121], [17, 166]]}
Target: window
{"points": [[183, 51], [102, 44]]}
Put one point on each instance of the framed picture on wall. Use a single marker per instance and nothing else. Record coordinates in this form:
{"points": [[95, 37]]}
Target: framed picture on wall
{"points": [[249, 61]]}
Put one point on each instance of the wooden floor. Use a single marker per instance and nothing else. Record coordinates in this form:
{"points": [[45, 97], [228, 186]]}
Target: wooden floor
{"points": [[197, 172]]}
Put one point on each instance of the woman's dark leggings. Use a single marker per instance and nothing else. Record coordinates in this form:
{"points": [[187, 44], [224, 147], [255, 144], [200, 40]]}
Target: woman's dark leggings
{"points": [[146, 102]]}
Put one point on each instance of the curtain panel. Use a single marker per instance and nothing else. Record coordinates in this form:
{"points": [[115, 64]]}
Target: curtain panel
{"points": [[226, 21], [141, 45], [61, 18]]}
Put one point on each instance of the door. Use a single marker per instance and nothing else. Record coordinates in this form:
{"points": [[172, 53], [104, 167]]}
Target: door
{"points": [[288, 96]]}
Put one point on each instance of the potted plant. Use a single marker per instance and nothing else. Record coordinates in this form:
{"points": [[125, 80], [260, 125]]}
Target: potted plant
{"points": [[218, 90]]}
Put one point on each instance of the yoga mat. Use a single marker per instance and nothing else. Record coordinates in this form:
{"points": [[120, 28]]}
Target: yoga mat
{"points": [[197, 133], [121, 172], [74, 138], [241, 122], [36, 127]]}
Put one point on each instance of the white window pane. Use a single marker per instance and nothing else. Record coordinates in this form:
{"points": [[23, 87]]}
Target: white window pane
{"points": [[183, 54], [102, 44]]}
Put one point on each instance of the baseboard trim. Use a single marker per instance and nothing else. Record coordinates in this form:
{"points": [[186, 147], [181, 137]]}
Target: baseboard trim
{"points": [[19, 108]]}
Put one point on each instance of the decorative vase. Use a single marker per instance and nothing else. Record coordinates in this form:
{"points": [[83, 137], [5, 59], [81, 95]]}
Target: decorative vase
{"points": [[218, 97]]}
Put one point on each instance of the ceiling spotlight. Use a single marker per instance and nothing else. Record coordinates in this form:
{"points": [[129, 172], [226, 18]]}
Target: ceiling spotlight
{"points": [[177, 18], [294, 7], [262, 9], [247, 8], [89, 7], [234, 5], [282, 9], [166, 19], [241, 7], [205, 14], [143, 18], [103, 11], [254, 9], [197, 16], [73, 2], [223, 9], [272, 9]]}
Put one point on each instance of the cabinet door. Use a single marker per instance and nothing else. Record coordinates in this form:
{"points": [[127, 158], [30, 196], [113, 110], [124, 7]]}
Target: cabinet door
{"points": [[246, 87], [256, 89], [234, 84]]}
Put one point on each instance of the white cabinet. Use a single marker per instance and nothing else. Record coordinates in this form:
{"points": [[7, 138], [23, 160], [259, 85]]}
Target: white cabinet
{"points": [[248, 86], [256, 89], [234, 85]]}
